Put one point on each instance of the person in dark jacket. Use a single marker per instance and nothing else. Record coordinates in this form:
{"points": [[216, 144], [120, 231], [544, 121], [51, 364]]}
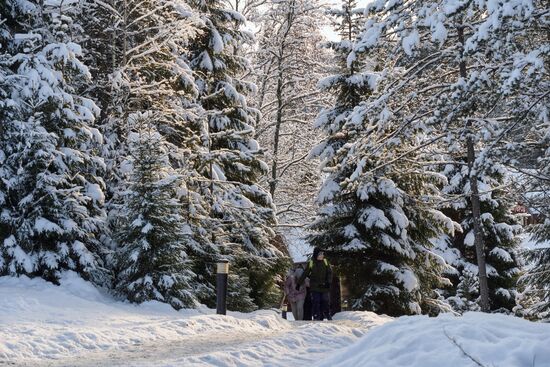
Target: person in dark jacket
{"points": [[319, 272]]}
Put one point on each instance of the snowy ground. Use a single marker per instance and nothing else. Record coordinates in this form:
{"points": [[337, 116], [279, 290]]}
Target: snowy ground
{"points": [[475, 339], [76, 325]]}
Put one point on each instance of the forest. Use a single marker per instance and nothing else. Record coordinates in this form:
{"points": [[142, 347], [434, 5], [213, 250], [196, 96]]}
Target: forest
{"points": [[143, 140]]}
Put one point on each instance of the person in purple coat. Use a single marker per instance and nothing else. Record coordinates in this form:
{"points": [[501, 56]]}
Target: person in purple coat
{"points": [[296, 295]]}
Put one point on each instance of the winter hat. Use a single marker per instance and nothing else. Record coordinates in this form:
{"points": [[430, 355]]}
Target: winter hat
{"points": [[316, 251]]}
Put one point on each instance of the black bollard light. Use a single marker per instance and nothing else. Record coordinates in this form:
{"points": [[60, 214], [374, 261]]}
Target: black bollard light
{"points": [[221, 286], [284, 310]]}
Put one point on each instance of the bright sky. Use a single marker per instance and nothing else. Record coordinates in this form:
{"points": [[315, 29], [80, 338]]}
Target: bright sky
{"points": [[328, 31]]}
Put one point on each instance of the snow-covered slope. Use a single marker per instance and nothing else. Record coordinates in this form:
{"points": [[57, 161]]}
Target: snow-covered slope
{"points": [[77, 325], [475, 339]]}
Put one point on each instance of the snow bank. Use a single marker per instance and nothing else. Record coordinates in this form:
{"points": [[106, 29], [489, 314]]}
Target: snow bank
{"points": [[420, 341], [366, 320], [39, 320], [77, 325], [307, 344]]}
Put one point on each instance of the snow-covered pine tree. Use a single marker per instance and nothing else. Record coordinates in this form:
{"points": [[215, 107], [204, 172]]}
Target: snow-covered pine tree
{"points": [[453, 70], [241, 212], [349, 85], [500, 236], [289, 61], [378, 233], [138, 53], [51, 196], [534, 299], [154, 238], [467, 293], [140, 65], [535, 283], [529, 160], [371, 220], [6, 113]]}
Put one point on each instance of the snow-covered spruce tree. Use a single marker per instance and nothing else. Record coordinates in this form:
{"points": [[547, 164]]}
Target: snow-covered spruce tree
{"points": [[51, 196], [535, 283], [143, 68], [349, 85], [241, 212], [6, 113], [137, 49], [378, 233], [152, 258], [372, 219], [530, 163], [138, 52], [453, 71], [289, 61], [500, 236]]}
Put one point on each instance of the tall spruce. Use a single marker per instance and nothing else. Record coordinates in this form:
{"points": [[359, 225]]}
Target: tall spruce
{"points": [[500, 231], [241, 212], [529, 159], [137, 52], [371, 222], [51, 195], [454, 71], [535, 282], [154, 239]]}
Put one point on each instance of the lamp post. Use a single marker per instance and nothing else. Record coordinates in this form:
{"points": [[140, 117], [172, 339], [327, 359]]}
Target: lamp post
{"points": [[221, 286]]}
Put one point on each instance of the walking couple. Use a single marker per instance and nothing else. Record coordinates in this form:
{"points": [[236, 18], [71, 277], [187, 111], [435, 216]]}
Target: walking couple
{"points": [[317, 276]]}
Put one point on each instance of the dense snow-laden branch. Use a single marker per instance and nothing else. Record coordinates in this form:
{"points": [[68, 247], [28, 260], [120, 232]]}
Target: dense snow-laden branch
{"points": [[517, 120]]}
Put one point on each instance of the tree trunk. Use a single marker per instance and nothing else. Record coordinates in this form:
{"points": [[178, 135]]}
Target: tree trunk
{"points": [[278, 122], [280, 102], [474, 198], [478, 235]]}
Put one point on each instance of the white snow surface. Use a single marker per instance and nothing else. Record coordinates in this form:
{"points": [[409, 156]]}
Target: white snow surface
{"points": [[474, 339], [78, 325]]}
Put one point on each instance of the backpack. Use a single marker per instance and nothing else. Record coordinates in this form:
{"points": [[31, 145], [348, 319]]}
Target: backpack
{"points": [[310, 263]]}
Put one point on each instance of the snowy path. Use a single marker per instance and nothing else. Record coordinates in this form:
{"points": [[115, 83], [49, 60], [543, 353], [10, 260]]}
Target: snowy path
{"points": [[300, 342], [151, 353], [76, 325], [42, 325]]}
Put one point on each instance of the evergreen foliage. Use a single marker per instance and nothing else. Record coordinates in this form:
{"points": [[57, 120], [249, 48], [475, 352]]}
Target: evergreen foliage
{"points": [[52, 190], [451, 77], [500, 236], [152, 258], [376, 231], [241, 213]]}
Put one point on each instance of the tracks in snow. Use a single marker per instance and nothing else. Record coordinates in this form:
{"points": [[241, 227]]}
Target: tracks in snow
{"points": [[302, 342]]}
